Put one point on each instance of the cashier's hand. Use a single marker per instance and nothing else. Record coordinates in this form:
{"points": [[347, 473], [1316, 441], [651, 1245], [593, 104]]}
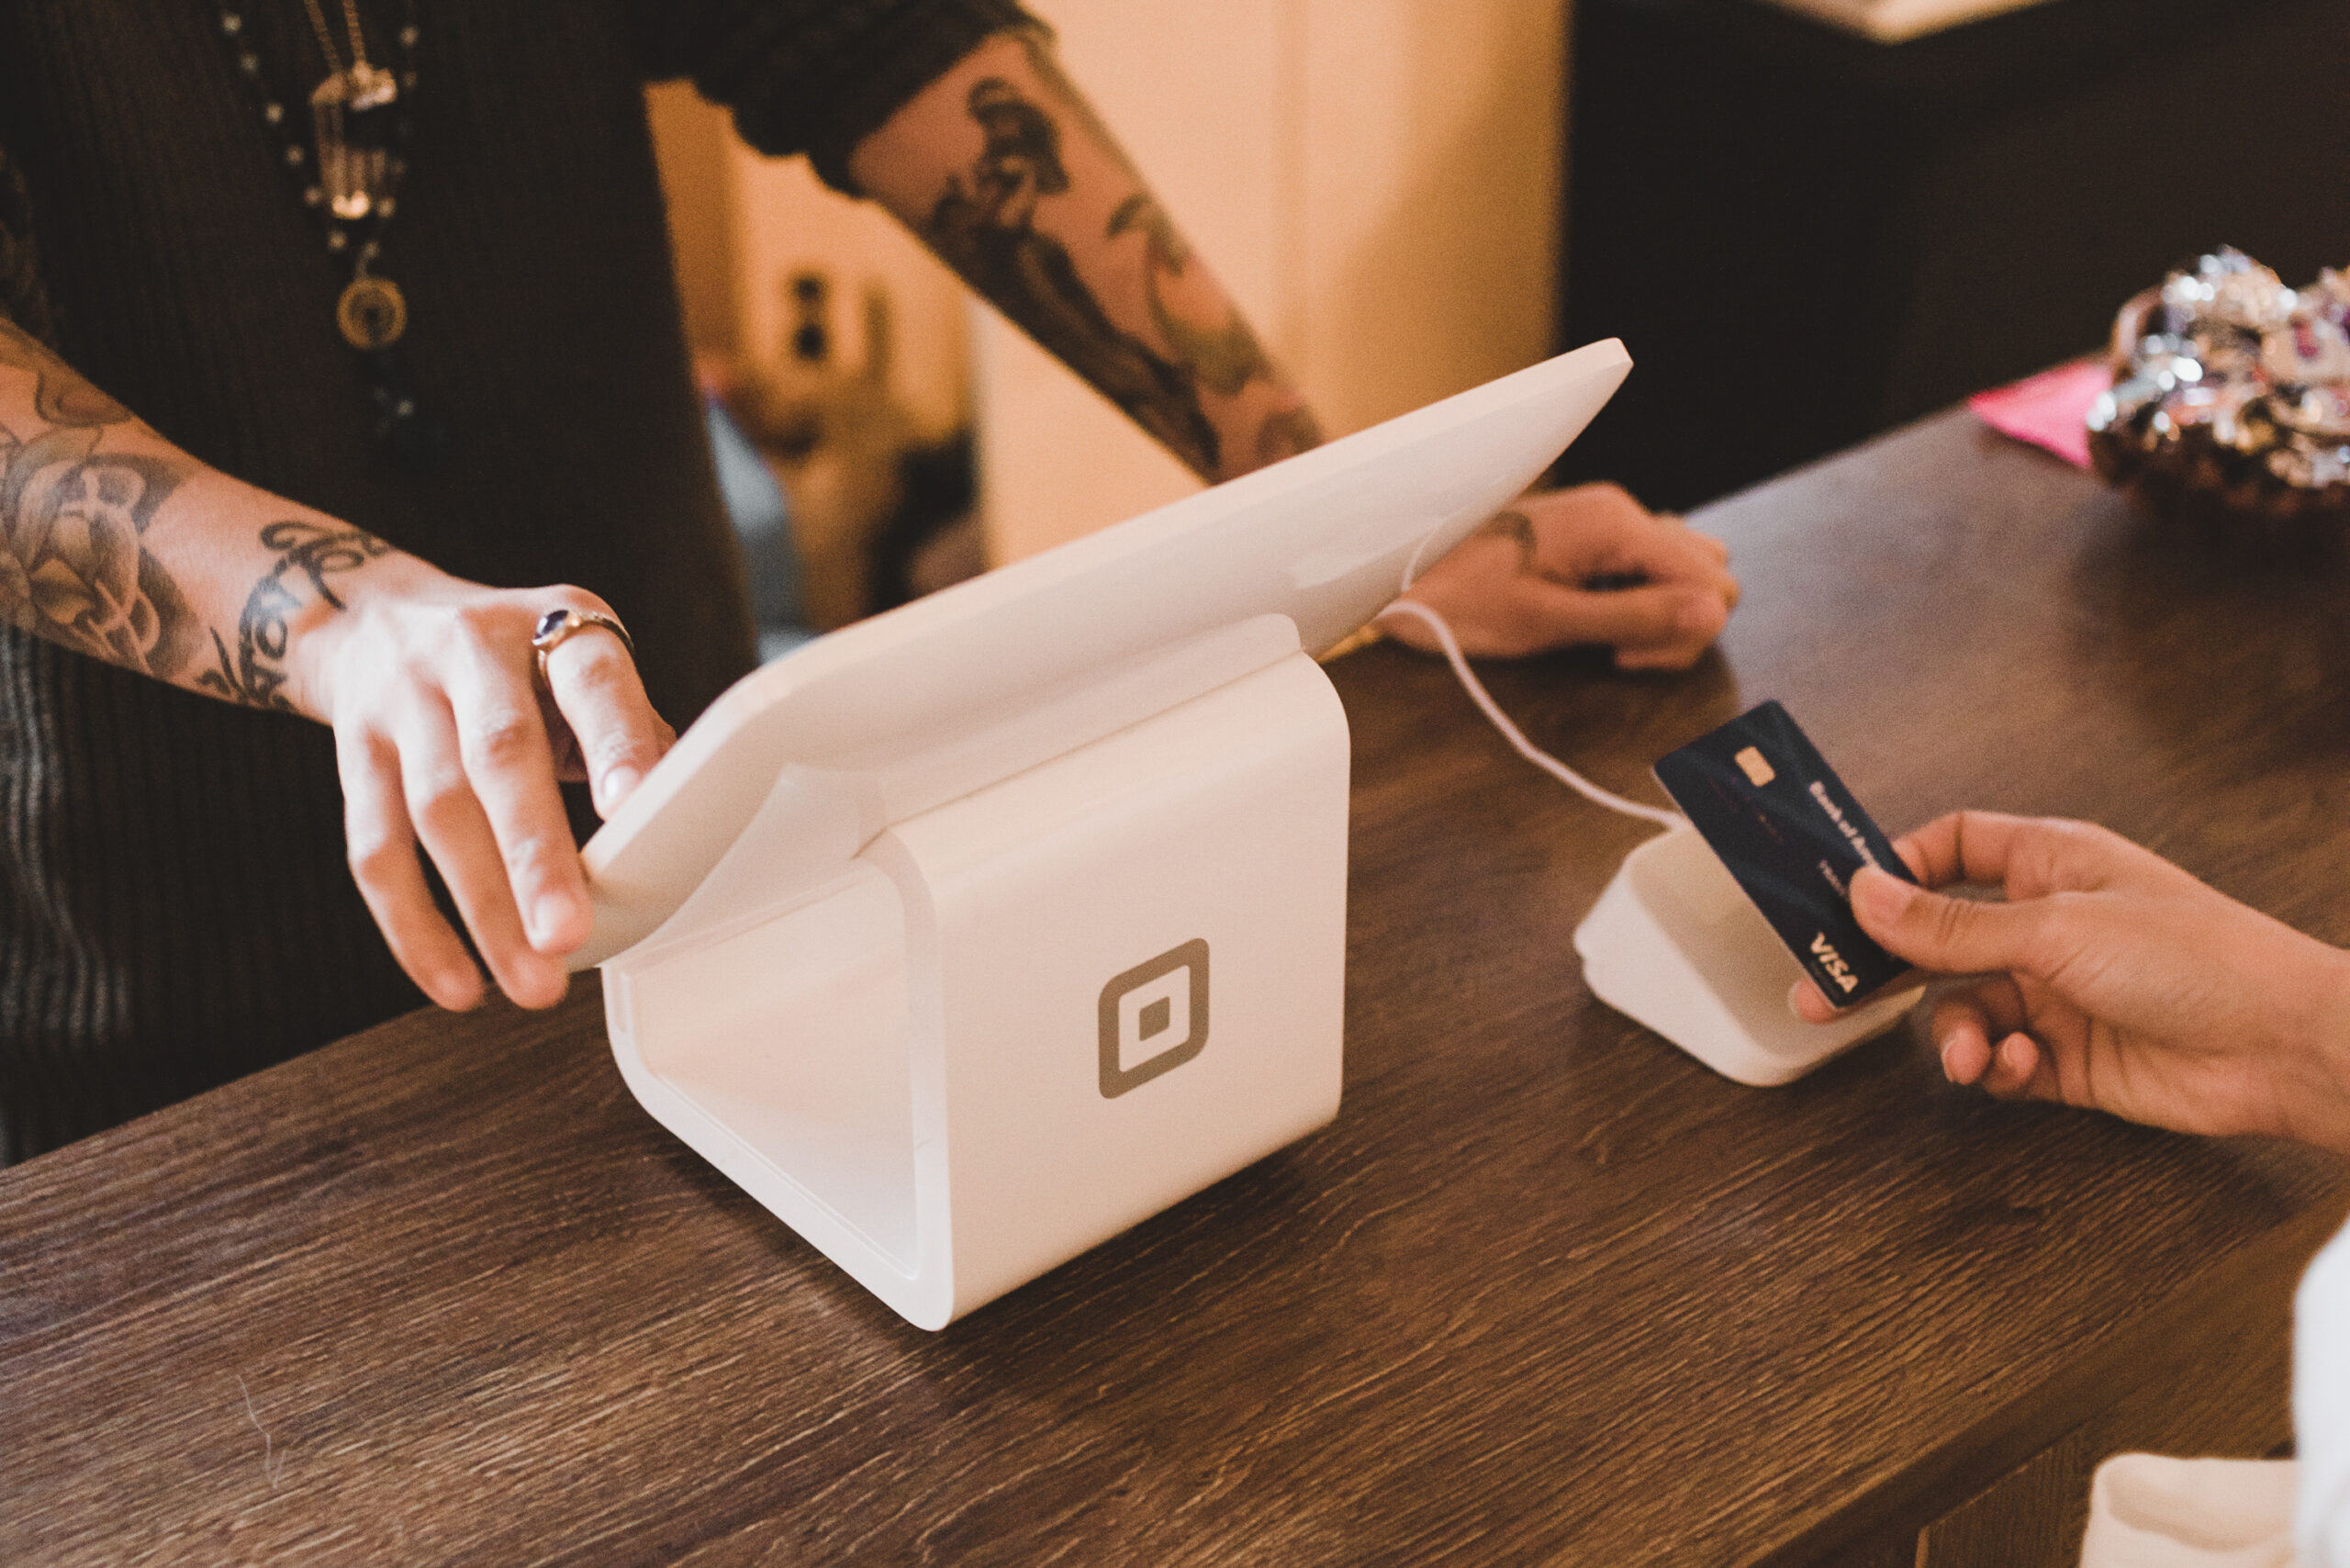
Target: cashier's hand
{"points": [[1522, 584], [2113, 979], [446, 739]]}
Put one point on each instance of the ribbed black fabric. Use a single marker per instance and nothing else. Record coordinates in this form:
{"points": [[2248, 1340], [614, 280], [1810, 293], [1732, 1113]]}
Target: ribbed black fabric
{"points": [[22, 298], [174, 908]]}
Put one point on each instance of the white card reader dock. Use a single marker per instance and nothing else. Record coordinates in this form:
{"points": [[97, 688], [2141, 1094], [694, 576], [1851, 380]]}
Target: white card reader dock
{"points": [[969, 936], [1675, 944]]}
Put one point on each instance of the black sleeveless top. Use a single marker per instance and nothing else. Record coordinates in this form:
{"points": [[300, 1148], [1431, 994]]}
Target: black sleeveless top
{"points": [[174, 906]]}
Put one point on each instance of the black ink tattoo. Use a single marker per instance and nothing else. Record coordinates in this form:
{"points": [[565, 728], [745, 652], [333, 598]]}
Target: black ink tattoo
{"points": [[73, 566], [1517, 528], [986, 230], [1036, 42], [255, 675], [1223, 358]]}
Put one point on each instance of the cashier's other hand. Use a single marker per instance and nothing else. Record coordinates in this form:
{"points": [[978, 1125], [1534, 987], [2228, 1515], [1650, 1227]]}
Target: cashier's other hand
{"points": [[446, 741], [2111, 978], [1523, 583]]}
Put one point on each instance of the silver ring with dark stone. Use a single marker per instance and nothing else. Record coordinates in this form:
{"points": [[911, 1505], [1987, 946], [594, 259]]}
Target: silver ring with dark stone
{"points": [[556, 626]]}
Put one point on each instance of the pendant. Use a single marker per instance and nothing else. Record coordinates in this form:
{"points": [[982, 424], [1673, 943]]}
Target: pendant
{"points": [[372, 313], [351, 112]]}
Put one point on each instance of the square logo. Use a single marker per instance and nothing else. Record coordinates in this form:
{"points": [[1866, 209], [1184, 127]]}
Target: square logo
{"points": [[1154, 1018]]}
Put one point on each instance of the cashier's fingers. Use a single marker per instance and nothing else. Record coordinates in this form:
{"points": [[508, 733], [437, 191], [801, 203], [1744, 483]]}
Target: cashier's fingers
{"points": [[1657, 627], [441, 794], [1599, 530], [1658, 615], [599, 695], [510, 768], [1509, 614], [1695, 558], [383, 852]]}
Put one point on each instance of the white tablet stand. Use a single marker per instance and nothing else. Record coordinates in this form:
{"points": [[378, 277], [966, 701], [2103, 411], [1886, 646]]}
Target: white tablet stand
{"points": [[1016, 1024], [967, 937], [1675, 942]]}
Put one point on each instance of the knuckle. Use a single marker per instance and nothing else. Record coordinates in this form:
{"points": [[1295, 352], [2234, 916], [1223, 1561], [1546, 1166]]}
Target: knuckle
{"points": [[1949, 921], [362, 745], [535, 602], [2095, 838], [581, 599], [437, 795], [2050, 930], [536, 851], [480, 620], [375, 857], [610, 748], [598, 668], [2063, 918], [504, 736], [2070, 852]]}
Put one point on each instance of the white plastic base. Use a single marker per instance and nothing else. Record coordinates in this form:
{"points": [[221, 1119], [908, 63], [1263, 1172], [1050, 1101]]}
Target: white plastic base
{"points": [[1674, 942], [1014, 1023]]}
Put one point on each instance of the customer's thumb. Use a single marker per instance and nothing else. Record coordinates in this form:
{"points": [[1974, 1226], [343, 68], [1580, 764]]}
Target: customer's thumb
{"points": [[1933, 931]]}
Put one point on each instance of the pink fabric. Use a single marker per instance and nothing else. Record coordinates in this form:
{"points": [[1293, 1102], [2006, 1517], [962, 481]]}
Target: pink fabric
{"points": [[2049, 409]]}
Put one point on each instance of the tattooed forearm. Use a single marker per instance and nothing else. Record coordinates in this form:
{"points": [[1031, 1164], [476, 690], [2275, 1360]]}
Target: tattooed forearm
{"points": [[306, 552], [985, 228], [74, 567], [74, 564], [1042, 214]]}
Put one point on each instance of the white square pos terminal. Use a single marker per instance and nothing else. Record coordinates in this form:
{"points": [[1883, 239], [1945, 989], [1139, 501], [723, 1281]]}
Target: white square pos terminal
{"points": [[966, 937]]}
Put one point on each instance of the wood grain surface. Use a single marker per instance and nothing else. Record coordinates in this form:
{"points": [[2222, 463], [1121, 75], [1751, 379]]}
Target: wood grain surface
{"points": [[1547, 1290]]}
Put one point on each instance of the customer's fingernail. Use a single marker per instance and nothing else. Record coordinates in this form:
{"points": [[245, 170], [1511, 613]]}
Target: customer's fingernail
{"points": [[1795, 999]]}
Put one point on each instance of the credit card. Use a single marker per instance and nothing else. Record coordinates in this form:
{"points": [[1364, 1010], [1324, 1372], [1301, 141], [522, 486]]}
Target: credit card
{"points": [[1777, 814]]}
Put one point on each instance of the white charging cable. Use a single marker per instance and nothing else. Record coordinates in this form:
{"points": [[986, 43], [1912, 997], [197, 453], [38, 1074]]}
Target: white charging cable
{"points": [[1512, 733]]}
